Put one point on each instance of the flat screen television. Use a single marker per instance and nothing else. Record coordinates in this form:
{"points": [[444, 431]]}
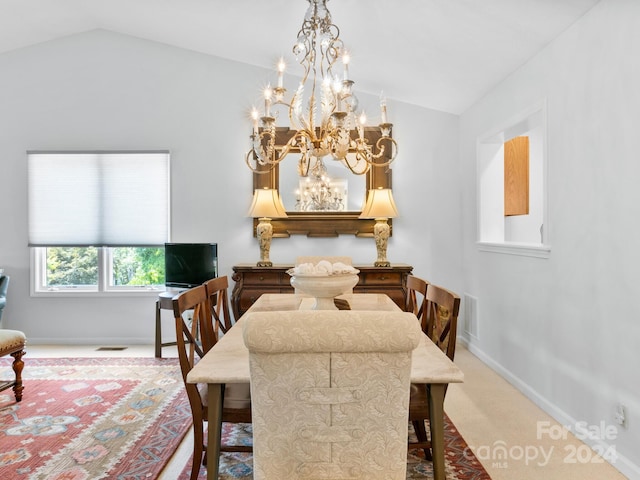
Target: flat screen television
{"points": [[187, 265]]}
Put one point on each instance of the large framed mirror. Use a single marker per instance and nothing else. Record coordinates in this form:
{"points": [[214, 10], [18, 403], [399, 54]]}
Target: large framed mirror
{"points": [[342, 218]]}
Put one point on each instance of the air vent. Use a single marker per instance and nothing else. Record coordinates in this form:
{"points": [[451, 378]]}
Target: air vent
{"points": [[471, 316]]}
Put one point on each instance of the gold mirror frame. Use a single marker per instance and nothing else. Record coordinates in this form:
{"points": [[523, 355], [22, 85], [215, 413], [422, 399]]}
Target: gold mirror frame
{"points": [[324, 224]]}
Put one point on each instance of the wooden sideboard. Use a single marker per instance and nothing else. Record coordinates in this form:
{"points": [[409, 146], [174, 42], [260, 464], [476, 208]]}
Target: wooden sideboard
{"points": [[252, 281]]}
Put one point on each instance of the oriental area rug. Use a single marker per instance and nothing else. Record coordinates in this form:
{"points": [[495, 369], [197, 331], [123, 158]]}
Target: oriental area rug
{"points": [[461, 463], [92, 418]]}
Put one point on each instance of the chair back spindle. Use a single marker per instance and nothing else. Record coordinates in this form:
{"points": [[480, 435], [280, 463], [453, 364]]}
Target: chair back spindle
{"points": [[416, 295], [219, 304]]}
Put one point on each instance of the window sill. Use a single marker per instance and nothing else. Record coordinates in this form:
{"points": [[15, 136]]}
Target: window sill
{"points": [[69, 292], [522, 249]]}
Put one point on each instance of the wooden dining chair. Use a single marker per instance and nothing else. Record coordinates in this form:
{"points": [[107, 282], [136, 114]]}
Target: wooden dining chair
{"points": [[219, 303], [440, 320], [195, 336], [416, 295]]}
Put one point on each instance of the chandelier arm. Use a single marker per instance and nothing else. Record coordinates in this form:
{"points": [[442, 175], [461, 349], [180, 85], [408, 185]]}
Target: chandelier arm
{"points": [[251, 153], [263, 144], [290, 145], [303, 165], [270, 156], [352, 168], [273, 156], [381, 148], [365, 152]]}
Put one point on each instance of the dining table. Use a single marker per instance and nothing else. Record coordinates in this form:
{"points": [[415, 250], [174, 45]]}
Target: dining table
{"points": [[228, 362]]}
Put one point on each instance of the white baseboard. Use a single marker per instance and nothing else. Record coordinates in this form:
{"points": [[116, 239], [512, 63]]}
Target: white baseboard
{"points": [[622, 463], [102, 341]]}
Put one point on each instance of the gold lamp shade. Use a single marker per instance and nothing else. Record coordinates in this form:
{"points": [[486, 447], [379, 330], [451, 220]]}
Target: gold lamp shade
{"points": [[379, 204], [267, 203]]}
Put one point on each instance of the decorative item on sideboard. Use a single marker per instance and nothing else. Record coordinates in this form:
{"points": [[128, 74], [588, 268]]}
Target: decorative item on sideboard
{"points": [[265, 206], [380, 205], [324, 281]]}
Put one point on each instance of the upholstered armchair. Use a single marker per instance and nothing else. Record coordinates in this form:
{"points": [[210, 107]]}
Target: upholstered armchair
{"points": [[4, 284], [330, 393], [12, 343]]}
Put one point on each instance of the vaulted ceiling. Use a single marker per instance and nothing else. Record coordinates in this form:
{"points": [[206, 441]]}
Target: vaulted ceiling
{"points": [[440, 54]]}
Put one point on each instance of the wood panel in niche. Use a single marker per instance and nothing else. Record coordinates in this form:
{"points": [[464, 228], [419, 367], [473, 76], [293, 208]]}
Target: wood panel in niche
{"points": [[516, 176]]}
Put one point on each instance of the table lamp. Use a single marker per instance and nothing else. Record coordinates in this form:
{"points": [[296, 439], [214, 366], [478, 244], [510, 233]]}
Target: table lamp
{"points": [[265, 206], [380, 205]]}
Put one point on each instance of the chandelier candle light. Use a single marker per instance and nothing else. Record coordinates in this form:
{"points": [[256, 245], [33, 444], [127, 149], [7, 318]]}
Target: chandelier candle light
{"points": [[266, 205], [380, 205], [323, 111]]}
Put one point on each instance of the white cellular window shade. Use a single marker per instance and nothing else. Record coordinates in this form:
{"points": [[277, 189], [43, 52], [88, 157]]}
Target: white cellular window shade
{"points": [[98, 198]]}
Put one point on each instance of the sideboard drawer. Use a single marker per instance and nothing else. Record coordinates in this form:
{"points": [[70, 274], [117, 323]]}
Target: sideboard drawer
{"points": [[381, 278], [263, 278]]}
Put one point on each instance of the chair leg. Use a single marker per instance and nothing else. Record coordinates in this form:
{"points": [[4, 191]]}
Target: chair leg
{"points": [[198, 450], [421, 434], [158, 345], [18, 365]]}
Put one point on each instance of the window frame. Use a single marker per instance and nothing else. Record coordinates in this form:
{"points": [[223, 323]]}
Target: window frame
{"points": [[103, 287], [534, 116]]}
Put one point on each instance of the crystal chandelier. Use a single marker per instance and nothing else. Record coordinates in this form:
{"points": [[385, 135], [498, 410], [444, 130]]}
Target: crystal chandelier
{"points": [[323, 111]]}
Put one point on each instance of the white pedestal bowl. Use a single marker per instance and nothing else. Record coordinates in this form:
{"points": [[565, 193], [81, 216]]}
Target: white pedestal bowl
{"points": [[324, 287]]}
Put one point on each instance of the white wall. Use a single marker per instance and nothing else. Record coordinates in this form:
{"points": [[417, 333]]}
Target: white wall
{"points": [[101, 90], [566, 329]]}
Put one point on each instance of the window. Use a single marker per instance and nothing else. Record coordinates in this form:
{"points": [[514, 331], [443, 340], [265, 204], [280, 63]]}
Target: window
{"points": [[98, 221], [512, 169]]}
